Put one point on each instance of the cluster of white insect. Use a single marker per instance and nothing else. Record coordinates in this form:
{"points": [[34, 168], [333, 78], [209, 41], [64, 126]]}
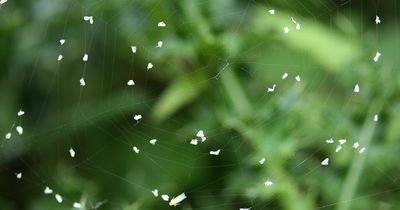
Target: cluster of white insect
{"points": [[339, 147], [48, 191], [200, 136], [88, 19], [286, 29], [60, 56], [284, 76], [18, 128]]}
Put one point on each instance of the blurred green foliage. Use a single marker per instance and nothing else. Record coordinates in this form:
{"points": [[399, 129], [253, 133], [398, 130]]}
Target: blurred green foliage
{"points": [[218, 59]]}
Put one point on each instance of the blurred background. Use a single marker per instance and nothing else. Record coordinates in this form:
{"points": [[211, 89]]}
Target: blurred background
{"points": [[212, 73]]}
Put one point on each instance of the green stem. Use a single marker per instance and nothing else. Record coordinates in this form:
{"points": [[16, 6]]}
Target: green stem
{"points": [[235, 92], [356, 168]]}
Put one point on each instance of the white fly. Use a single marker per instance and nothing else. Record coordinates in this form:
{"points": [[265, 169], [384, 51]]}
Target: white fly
{"points": [[153, 141], [82, 82], [47, 190], [77, 205], [325, 162], [176, 201], [58, 198], [215, 152], [155, 192], [193, 142], [20, 112], [270, 90], [71, 152], [18, 175], [262, 161], [20, 130], [161, 24]]}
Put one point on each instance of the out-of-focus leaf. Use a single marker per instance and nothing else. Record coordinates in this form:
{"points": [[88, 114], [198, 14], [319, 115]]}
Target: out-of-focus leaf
{"points": [[181, 92], [330, 48]]}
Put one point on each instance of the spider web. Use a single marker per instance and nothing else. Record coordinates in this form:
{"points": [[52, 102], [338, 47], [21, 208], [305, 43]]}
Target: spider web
{"points": [[96, 120]]}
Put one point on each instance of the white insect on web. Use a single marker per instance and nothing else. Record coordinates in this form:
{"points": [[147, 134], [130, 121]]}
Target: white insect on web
{"points": [[285, 75], [153, 141], [8, 135], [88, 18], [58, 198], [270, 90], [325, 162], [330, 141], [20, 113], [377, 20], [137, 117], [72, 152], [286, 30], [200, 134], [271, 11], [82, 82], [19, 130], [130, 83], [60, 57], [268, 183], [19, 175], [161, 24], [357, 88], [262, 161], [159, 44], [133, 49], [77, 205], [165, 197], [193, 142], [376, 118], [377, 56], [85, 57], [215, 152], [62, 41], [155, 192], [362, 150], [356, 145], [47, 190], [149, 66], [338, 148], [342, 141], [177, 200], [136, 150], [244, 208], [298, 26], [298, 79], [3, 1]]}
